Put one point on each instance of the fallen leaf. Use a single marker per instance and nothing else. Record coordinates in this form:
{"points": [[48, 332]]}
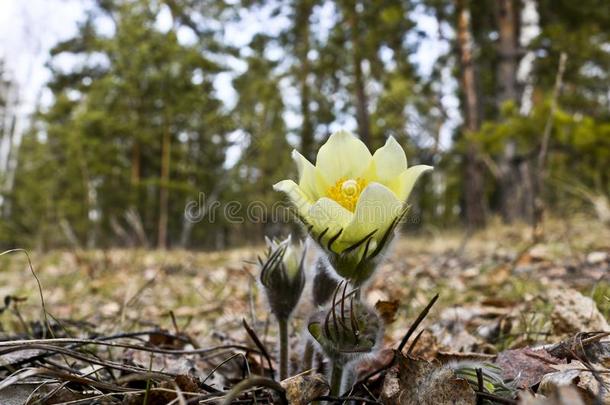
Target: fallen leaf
{"points": [[573, 312], [598, 257], [577, 375], [165, 340], [19, 357], [526, 366], [565, 395], [374, 362], [415, 381], [18, 394], [302, 389], [426, 347], [499, 275], [387, 310]]}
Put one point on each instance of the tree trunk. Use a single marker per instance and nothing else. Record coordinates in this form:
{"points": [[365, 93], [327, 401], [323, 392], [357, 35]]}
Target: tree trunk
{"points": [[164, 192], [513, 192], [187, 228], [529, 29], [303, 13], [8, 132], [136, 167], [362, 112], [474, 198], [507, 50], [10, 170], [135, 163]]}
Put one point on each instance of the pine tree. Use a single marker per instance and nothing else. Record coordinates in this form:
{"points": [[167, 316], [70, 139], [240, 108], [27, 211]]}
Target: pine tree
{"points": [[131, 118]]}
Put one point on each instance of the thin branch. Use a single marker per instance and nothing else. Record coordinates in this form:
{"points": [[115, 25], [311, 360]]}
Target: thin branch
{"points": [[260, 346], [416, 323], [254, 382], [548, 127]]}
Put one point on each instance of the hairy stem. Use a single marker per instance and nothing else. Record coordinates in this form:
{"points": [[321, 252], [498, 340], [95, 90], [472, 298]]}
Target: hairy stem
{"points": [[350, 377], [336, 375], [283, 325], [308, 356]]}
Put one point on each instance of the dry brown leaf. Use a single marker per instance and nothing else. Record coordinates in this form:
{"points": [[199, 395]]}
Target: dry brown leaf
{"points": [[387, 310], [456, 337], [566, 395], [499, 275], [164, 340], [598, 257], [573, 312], [19, 357], [18, 394], [302, 389], [168, 392], [419, 382], [446, 357], [374, 362], [577, 375], [526, 366], [426, 347]]}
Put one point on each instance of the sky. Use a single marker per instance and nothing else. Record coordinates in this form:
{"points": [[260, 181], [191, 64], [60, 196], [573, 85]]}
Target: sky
{"points": [[29, 29]]}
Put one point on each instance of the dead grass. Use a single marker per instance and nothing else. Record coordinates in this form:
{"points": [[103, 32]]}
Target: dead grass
{"points": [[210, 293], [492, 288]]}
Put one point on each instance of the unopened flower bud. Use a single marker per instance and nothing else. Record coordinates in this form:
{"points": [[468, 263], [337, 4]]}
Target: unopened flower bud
{"points": [[324, 283], [282, 276], [348, 329]]}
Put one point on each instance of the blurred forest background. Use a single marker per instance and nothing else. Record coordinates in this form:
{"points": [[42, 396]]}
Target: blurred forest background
{"points": [[513, 110]]}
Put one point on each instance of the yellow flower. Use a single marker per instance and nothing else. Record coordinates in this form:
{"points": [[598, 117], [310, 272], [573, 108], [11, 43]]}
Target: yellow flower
{"points": [[351, 201]]}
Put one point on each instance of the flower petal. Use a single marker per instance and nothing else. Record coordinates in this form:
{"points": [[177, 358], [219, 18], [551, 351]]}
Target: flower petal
{"points": [[343, 155], [376, 209], [328, 214], [407, 180], [389, 161], [300, 199], [310, 180]]}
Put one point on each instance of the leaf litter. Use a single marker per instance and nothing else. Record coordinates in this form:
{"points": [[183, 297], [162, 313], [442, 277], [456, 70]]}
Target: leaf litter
{"points": [[514, 324]]}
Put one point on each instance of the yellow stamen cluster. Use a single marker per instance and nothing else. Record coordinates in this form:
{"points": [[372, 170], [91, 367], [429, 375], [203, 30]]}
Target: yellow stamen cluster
{"points": [[347, 191]]}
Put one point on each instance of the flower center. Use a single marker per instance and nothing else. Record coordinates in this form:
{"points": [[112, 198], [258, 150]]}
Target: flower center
{"points": [[347, 191]]}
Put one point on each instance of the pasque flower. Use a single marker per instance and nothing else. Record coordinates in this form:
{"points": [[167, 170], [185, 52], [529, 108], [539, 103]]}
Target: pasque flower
{"points": [[283, 279], [282, 275], [351, 201], [345, 331]]}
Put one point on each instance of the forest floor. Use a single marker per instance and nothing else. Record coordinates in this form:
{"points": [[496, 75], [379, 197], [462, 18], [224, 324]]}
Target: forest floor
{"points": [[497, 291]]}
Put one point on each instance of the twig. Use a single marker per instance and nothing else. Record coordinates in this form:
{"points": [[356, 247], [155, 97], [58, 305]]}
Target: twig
{"points": [[260, 346], [197, 396], [495, 398], [538, 206], [414, 342], [343, 399], [253, 382], [103, 342], [42, 302], [148, 381], [220, 365], [548, 126], [80, 342], [89, 359], [27, 373], [480, 384], [416, 323]]}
